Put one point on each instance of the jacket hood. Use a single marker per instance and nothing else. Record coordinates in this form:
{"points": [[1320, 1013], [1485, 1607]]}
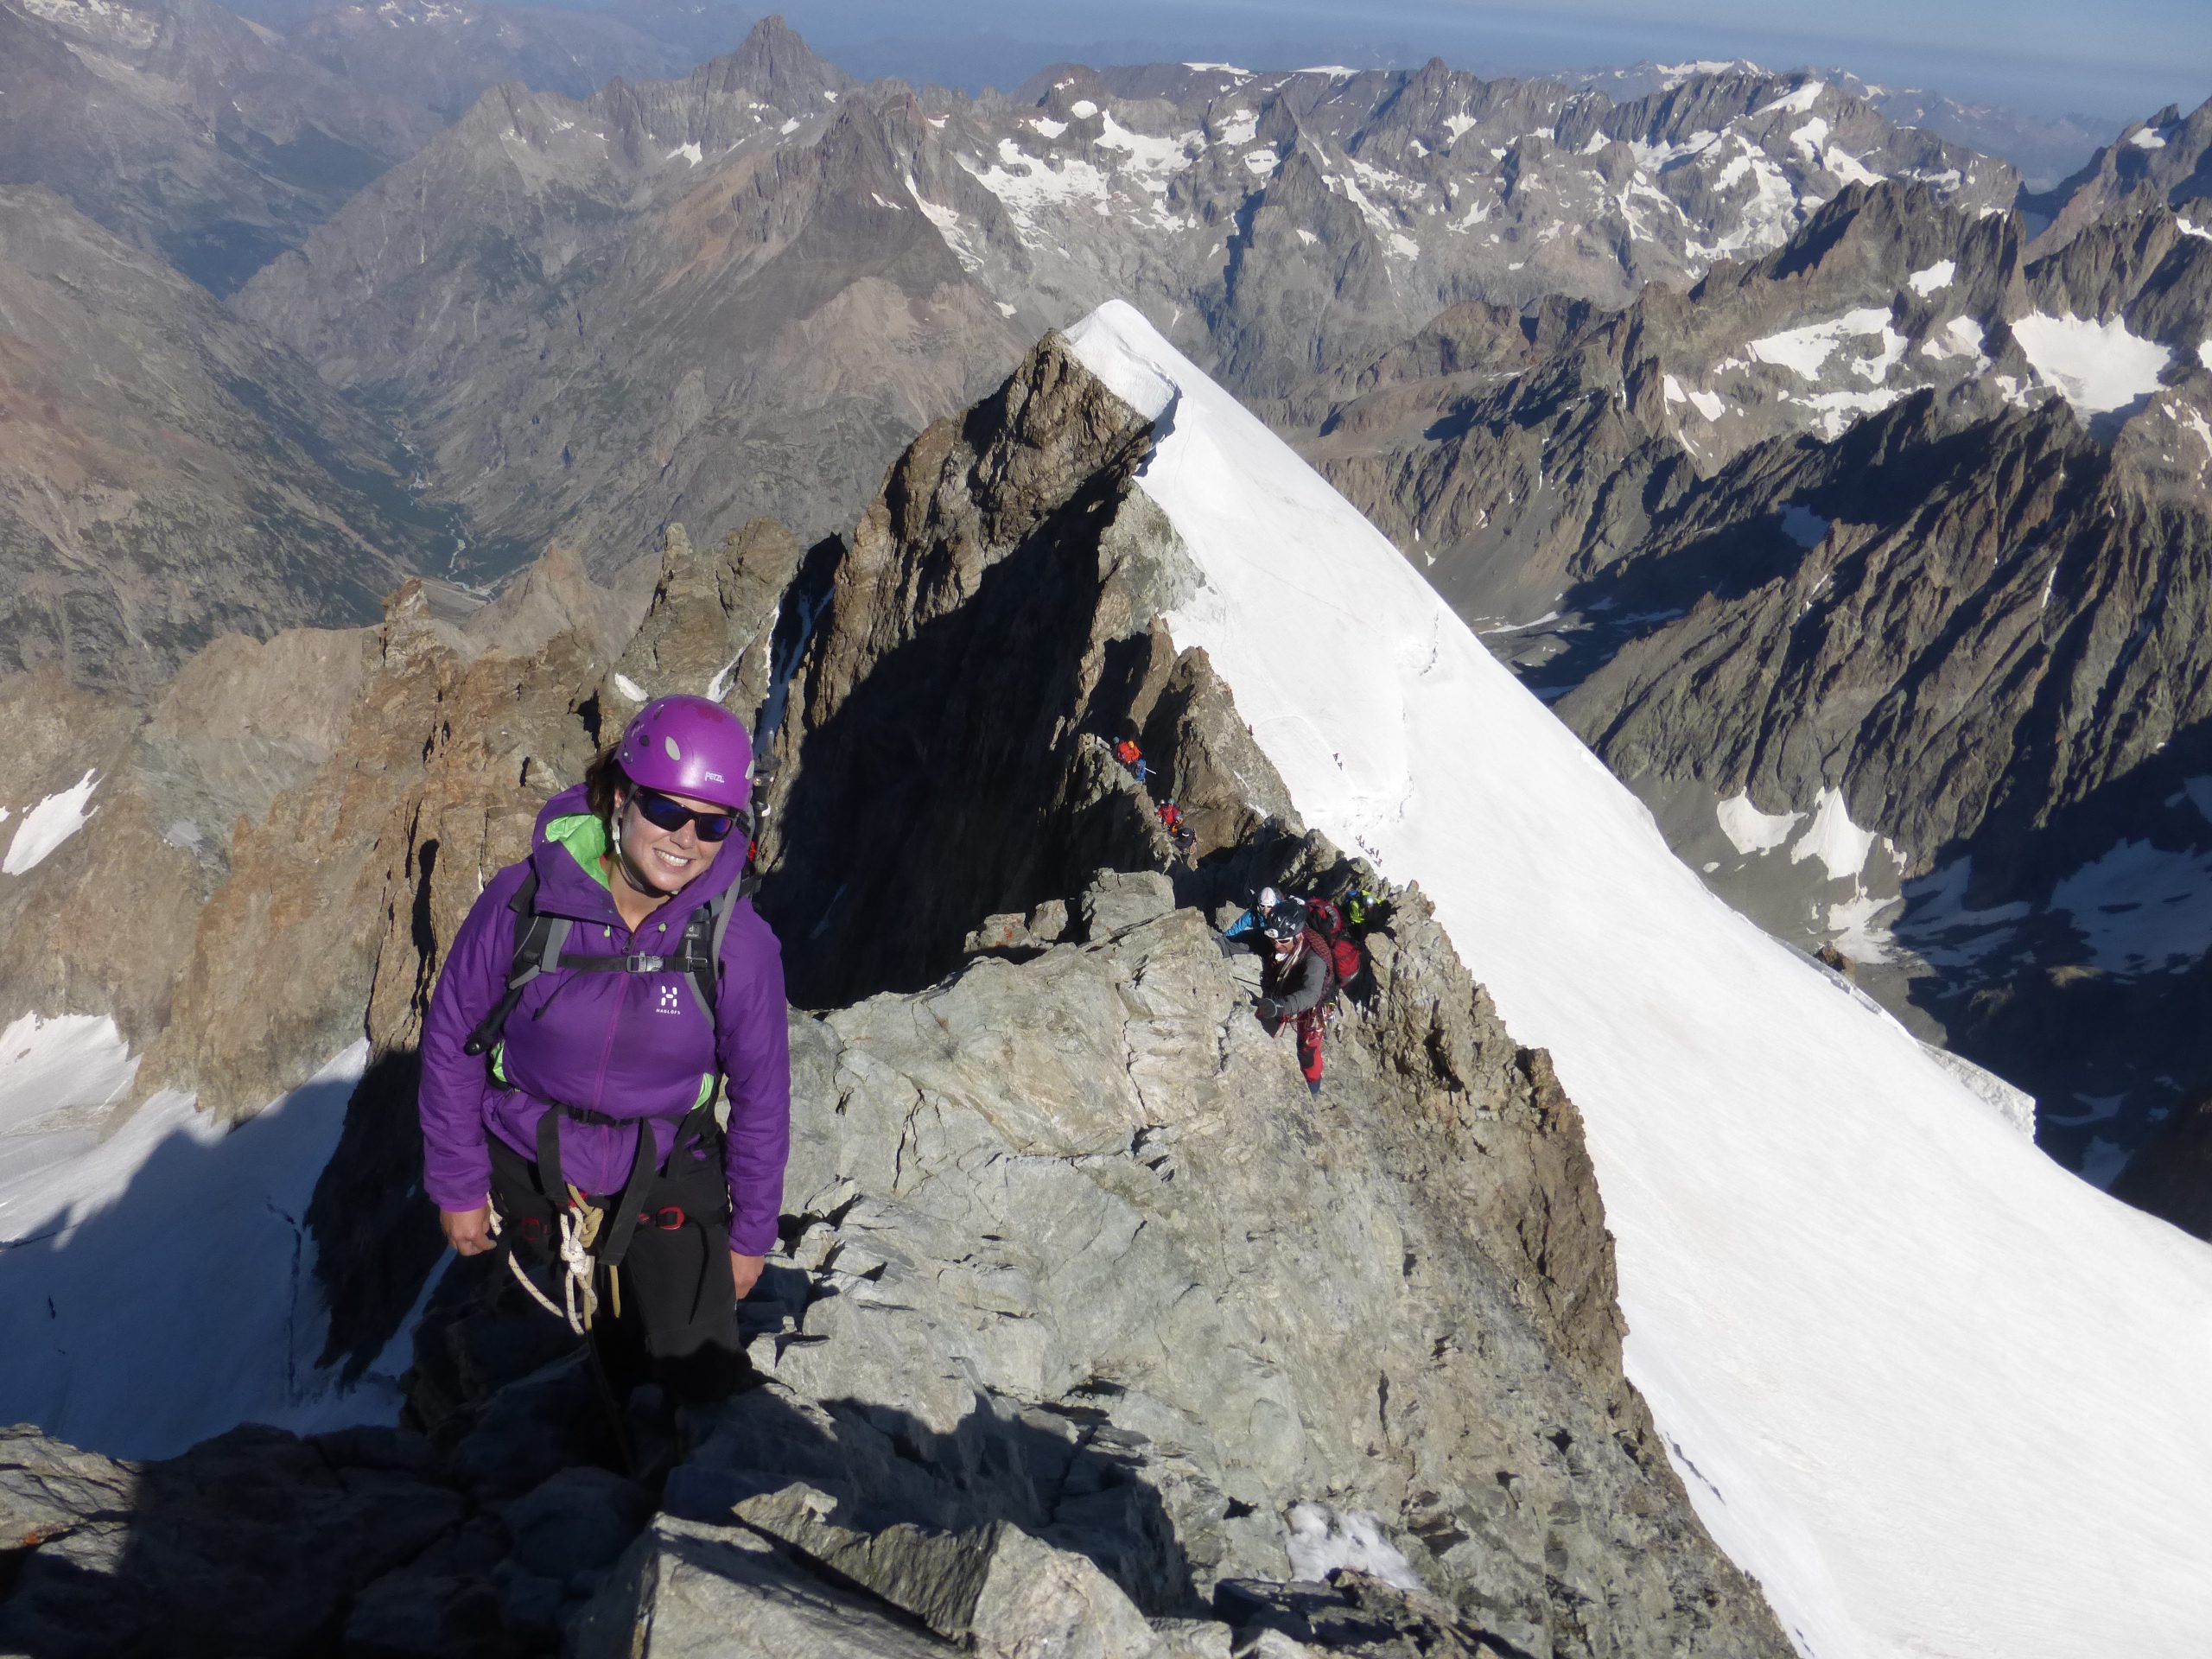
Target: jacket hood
{"points": [[564, 851]]}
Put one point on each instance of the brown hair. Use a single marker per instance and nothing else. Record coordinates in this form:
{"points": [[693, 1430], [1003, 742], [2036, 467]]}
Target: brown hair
{"points": [[601, 778]]}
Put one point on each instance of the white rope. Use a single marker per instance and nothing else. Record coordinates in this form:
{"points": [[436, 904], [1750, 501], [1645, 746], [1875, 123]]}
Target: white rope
{"points": [[575, 1275]]}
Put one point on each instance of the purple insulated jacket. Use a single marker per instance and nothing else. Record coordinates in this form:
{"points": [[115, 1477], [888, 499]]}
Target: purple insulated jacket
{"points": [[631, 1045]]}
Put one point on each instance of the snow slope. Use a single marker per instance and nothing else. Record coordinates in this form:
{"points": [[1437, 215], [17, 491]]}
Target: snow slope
{"points": [[158, 1287], [1939, 1396]]}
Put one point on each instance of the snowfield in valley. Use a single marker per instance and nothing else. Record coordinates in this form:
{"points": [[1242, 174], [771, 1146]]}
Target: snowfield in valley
{"points": [[1941, 1397]]}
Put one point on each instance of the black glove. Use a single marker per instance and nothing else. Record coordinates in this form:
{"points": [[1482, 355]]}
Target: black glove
{"points": [[1270, 1009]]}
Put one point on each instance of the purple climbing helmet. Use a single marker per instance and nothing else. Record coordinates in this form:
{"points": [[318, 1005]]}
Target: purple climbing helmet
{"points": [[688, 745]]}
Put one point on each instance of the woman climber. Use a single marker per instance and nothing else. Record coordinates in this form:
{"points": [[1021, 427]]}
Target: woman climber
{"points": [[590, 1002]]}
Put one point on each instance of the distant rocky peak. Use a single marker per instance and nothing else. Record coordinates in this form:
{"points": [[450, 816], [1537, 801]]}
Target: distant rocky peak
{"points": [[2170, 154], [775, 64]]}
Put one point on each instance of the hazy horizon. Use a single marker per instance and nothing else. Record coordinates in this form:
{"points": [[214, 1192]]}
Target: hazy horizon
{"points": [[2117, 64]]}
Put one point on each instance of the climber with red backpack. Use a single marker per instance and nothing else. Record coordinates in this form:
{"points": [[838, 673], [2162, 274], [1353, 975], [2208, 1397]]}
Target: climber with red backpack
{"points": [[1127, 751], [1302, 968], [1180, 836], [590, 1007]]}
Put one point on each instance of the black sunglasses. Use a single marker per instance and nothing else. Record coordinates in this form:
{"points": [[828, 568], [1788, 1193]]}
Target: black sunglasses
{"points": [[663, 813]]}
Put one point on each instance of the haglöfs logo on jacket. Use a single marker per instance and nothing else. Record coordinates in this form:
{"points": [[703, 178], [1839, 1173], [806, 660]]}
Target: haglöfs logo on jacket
{"points": [[670, 1002]]}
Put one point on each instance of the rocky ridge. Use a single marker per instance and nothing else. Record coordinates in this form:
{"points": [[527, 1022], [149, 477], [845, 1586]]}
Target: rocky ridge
{"points": [[1046, 1356]]}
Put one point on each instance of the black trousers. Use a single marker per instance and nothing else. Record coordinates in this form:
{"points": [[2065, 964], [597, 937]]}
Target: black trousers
{"points": [[678, 1323]]}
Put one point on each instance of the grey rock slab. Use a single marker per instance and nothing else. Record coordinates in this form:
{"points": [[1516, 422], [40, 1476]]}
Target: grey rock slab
{"points": [[686, 1590], [1194, 1638], [408, 1617], [994, 1587], [1118, 901], [1042, 1603], [575, 1520], [48, 1488]]}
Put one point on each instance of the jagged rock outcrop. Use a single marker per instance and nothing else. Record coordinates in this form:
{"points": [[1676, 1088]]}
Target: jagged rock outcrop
{"points": [[254, 1541], [296, 930], [710, 627], [104, 923], [933, 764]]}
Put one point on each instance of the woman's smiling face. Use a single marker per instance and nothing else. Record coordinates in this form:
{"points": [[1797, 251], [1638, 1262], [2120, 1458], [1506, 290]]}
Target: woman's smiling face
{"points": [[664, 860]]}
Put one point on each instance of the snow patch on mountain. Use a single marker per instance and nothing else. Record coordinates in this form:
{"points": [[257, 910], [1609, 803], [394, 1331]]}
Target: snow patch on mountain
{"points": [[1768, 217], [1750, 831], [1153, 161], [1961, 337], [49, 823], [1804, 350], [2144, 909], [1832, 837], [1323, 1540], [158, 1287], [1904, 1363], [1240, 130], [1937, 277], [1799, 101], [949, 226], [103, 20], [1026, 186], [1802, 525], [2098, 366], [1707, 404], [58, 1078]]}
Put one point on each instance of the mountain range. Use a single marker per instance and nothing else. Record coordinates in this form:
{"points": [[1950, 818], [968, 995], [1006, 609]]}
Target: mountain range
{"points": [[1278, 224], [1887, 548]]}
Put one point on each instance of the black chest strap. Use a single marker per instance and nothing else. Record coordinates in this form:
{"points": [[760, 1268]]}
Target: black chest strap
{"points": [[541, 946]]}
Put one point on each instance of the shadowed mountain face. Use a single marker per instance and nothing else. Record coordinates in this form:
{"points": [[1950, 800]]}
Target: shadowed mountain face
{"points": [[1881, 567], [182, 128], [167, 473], [742, 290]]}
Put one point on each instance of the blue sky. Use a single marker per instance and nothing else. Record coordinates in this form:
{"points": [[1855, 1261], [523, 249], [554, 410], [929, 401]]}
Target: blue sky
{"points": [[2115, 59]]}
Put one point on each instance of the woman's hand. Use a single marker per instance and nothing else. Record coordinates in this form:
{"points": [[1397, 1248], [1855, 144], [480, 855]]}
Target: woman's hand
{"points": [[744, 1272], [469, 1231]]}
